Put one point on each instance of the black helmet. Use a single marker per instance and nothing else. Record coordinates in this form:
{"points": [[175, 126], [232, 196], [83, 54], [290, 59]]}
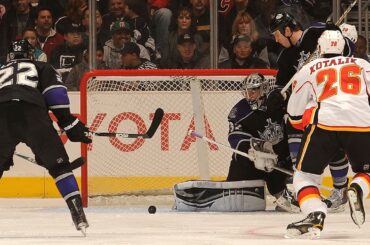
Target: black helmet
{"points": [[21, 49], [281, 20]]}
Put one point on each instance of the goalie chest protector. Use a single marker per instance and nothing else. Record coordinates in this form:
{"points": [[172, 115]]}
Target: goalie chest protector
{"points": [[235, 196]]}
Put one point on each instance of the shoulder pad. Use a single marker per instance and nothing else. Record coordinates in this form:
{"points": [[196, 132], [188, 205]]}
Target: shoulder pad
{"points": [[239, 111]]}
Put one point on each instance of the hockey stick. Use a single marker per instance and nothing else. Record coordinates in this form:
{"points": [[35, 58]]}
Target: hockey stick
{"points": [[283, 170], [74, 164], [157, 119], [341, 18], [193, 133]]}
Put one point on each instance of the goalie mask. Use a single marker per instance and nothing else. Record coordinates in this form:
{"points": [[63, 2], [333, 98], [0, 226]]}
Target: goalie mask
{"points": [[21, 49], [331, 42], [255, 88]]}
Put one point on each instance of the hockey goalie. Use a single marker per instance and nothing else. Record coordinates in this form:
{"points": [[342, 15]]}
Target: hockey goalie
{"points": [[257, 133]]}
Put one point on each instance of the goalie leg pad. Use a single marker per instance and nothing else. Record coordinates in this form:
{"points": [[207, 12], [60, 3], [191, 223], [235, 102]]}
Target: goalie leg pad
{"points": [[235, 196]]}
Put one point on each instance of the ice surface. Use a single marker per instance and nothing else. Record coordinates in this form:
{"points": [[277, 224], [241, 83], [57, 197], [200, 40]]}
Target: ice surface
{"points": [[47, 221]]}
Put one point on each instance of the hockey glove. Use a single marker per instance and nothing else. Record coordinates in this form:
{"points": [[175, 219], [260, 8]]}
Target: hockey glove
{"points": [[76, 131], [263, 154]]}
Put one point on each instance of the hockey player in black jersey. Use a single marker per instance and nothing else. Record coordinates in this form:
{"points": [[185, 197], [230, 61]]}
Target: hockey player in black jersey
{"points": [[300, 45], [28, 90], [250, 121]]}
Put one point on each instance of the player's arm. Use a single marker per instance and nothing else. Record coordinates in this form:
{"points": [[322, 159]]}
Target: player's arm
{"points": [[238, 137], [301, 104], [57, 100]]}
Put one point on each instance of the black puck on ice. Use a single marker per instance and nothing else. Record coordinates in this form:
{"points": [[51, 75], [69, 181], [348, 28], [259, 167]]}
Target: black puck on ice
{"points": [[152, 209]]}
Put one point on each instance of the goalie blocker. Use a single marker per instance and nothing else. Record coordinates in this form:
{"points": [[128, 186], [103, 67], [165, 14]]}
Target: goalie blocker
{"points": [[235, 196]]}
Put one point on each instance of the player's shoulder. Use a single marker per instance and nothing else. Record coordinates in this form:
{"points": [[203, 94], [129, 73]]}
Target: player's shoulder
{"points": [[239, 111], [41, 64]]}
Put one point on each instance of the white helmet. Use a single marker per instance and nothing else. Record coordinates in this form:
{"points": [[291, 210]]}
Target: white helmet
{"points": [[349, 31], [331, 42], [255, 81]]}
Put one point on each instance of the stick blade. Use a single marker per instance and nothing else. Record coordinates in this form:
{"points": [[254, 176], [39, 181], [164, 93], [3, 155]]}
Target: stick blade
{"points": [[157, 119]]}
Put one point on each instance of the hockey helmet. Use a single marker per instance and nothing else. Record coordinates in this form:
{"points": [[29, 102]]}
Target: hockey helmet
{"points": [[21, 49], [331, 42], [349, 31], [255, 82], [281, 20]]}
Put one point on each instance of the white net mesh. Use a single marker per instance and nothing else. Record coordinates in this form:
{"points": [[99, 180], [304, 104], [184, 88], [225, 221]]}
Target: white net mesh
{"points": [[126, 104]]}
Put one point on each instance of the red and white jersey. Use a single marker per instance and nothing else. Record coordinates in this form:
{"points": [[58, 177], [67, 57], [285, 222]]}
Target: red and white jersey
{"points": [[332, 93]]}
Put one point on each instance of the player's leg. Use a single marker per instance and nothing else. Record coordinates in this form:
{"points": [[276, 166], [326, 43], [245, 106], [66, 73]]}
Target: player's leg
{"points": [[318, 147], [294, 141], [45, 143], [241, 168], [285, 198], [355, 145], [10, 121], [339, 169]]}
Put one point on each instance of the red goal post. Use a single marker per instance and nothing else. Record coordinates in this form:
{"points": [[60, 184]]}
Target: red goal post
{"points": [[125, 100]]}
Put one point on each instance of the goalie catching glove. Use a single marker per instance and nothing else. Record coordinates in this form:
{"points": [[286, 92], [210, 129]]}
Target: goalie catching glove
{"points": [[263, 155]]}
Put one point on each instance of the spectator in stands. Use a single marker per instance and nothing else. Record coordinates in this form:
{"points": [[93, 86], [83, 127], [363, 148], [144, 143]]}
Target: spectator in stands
{"points": [[5, 37], [21, 16], [121, 34], [136, 12], [190, 57], [68, 54], [30, 34], [73, 79], [47, 36], [74, 16], [181, 23], [116, 13], [200, 9], [244, 25], [361, 48], [34, 3], [160, 15], [101, 35], [130, 57], [57, 7], [242, 57]]}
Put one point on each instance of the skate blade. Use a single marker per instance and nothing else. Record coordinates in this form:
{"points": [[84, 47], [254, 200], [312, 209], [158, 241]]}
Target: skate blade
{"points": [[313, 233], [82, 227], [357, 214]]}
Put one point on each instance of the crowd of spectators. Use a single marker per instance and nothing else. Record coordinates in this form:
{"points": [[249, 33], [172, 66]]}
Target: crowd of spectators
{"points": [[167, 33]]}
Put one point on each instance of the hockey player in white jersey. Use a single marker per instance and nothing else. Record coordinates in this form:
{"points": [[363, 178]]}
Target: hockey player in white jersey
{"points": [[330, 101]]}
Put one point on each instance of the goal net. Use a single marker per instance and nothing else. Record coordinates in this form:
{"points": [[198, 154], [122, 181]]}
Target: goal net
{"points": [[125, 100]]}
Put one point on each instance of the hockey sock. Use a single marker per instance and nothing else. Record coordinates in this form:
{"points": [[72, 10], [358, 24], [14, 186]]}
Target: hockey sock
{"points": [[339, 170], [294, 142], [363, 181], [67, 185]]}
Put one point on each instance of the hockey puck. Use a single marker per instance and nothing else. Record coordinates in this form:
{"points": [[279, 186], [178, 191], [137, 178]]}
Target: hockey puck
{"points": [[152, 209]]}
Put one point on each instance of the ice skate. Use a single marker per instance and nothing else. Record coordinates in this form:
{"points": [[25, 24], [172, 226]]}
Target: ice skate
{"points": [[287, 202], [336, 201], [354, 195], [309, 227], [78, 216]]}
